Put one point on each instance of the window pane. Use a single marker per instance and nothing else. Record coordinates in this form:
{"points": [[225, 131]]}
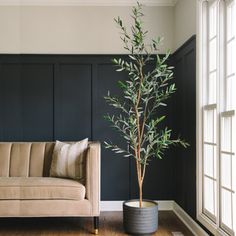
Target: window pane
{"points": [[233, 7], [226, 134], [210, 126], [230, 93], [210, 195], [226, 170], [234, 212], [212, 54], [209, 160], [226, 211], [233, 135], [234, 189], [230, 57], [230, 20], [212, 20], [212, 88], [234, 173]]}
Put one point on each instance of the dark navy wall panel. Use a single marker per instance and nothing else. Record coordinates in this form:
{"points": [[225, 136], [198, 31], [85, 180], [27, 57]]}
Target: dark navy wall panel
{"points": [[26, 102], [37, 101], [115, 168], [49, 97], [185, 104], [11, 117], [73, 101]]}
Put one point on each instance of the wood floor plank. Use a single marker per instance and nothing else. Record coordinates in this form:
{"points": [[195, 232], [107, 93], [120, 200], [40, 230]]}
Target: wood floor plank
{"points": [[110, 225]]}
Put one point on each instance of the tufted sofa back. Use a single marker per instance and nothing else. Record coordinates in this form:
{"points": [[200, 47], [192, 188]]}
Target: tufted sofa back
{"points": [[25, 159]]}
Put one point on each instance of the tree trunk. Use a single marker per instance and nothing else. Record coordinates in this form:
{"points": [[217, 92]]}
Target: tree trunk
{"points": [[140, 183], [140, 195]]}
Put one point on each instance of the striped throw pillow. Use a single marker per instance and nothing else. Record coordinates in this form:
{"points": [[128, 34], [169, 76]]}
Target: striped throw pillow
{"points": [[68, 160]]}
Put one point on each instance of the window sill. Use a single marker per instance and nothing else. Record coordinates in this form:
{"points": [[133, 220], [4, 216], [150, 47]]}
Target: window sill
{"points": [[212, 227]]}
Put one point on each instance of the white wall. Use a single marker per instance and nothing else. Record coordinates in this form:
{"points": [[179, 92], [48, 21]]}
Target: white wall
{"points": [[184, 21], [75, 30]]}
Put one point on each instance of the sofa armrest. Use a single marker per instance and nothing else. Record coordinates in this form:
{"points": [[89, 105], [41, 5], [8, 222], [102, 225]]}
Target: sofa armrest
{"points": [[93, 176]]}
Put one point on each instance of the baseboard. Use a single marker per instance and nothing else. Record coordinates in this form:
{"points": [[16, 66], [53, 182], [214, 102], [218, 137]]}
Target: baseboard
{"points": [[117, 205], [111, 205], [188, 221], [163, 206]]}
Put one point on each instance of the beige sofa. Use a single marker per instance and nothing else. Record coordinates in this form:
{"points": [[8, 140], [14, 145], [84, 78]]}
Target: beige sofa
{"points": [[26, 190]]}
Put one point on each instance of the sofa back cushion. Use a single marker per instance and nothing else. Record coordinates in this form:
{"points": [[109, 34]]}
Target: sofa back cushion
{"points": [[25, 159]]}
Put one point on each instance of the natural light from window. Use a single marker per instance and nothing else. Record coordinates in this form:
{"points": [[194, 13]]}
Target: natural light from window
{"points": [[216, 116]]}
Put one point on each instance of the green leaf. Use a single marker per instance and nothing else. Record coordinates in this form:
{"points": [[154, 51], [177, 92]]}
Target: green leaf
{"points": [[122, 84]]}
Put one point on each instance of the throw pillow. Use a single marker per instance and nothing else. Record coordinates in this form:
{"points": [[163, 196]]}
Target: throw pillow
{"points": [[68, 160]]}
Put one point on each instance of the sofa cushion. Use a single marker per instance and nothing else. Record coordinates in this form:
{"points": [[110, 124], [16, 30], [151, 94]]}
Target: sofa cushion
{"points": [[37, 188], [25, 159], [68, 160]]}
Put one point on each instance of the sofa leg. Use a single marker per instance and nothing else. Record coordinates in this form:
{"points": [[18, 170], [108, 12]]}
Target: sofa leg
{"points": [[96, 224]]}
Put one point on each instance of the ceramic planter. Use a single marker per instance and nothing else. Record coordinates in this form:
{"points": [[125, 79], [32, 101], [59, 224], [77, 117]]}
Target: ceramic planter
{"points": [[138, 220]]}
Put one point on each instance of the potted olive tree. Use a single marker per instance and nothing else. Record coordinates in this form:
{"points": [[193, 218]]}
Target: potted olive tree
{"points": [[144, 93]]}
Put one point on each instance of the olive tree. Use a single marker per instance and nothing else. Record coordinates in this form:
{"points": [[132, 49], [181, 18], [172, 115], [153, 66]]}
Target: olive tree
{"points": [[144, 93]]}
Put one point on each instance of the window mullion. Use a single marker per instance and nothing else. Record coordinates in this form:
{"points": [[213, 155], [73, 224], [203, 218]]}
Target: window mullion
{"points": [[220, 101]]}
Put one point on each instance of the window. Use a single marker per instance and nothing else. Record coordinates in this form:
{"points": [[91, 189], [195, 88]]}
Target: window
{"points": [[216, 129]]}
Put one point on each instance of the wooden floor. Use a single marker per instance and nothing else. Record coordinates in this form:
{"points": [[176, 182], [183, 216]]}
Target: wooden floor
{"points": [[110, 225]]}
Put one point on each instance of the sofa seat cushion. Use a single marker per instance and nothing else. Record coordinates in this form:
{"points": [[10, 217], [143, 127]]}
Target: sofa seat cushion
{"points": [[39, 188]]}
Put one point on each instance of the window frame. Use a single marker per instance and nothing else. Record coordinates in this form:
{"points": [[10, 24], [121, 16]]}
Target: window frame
{"points": [[214, 225]]}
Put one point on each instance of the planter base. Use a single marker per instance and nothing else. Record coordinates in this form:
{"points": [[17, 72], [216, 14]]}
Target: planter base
{"points": [[138, 220]]}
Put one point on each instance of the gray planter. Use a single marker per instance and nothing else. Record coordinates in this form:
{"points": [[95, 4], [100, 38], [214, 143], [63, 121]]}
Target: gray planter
{"points": [[138, 220]]}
